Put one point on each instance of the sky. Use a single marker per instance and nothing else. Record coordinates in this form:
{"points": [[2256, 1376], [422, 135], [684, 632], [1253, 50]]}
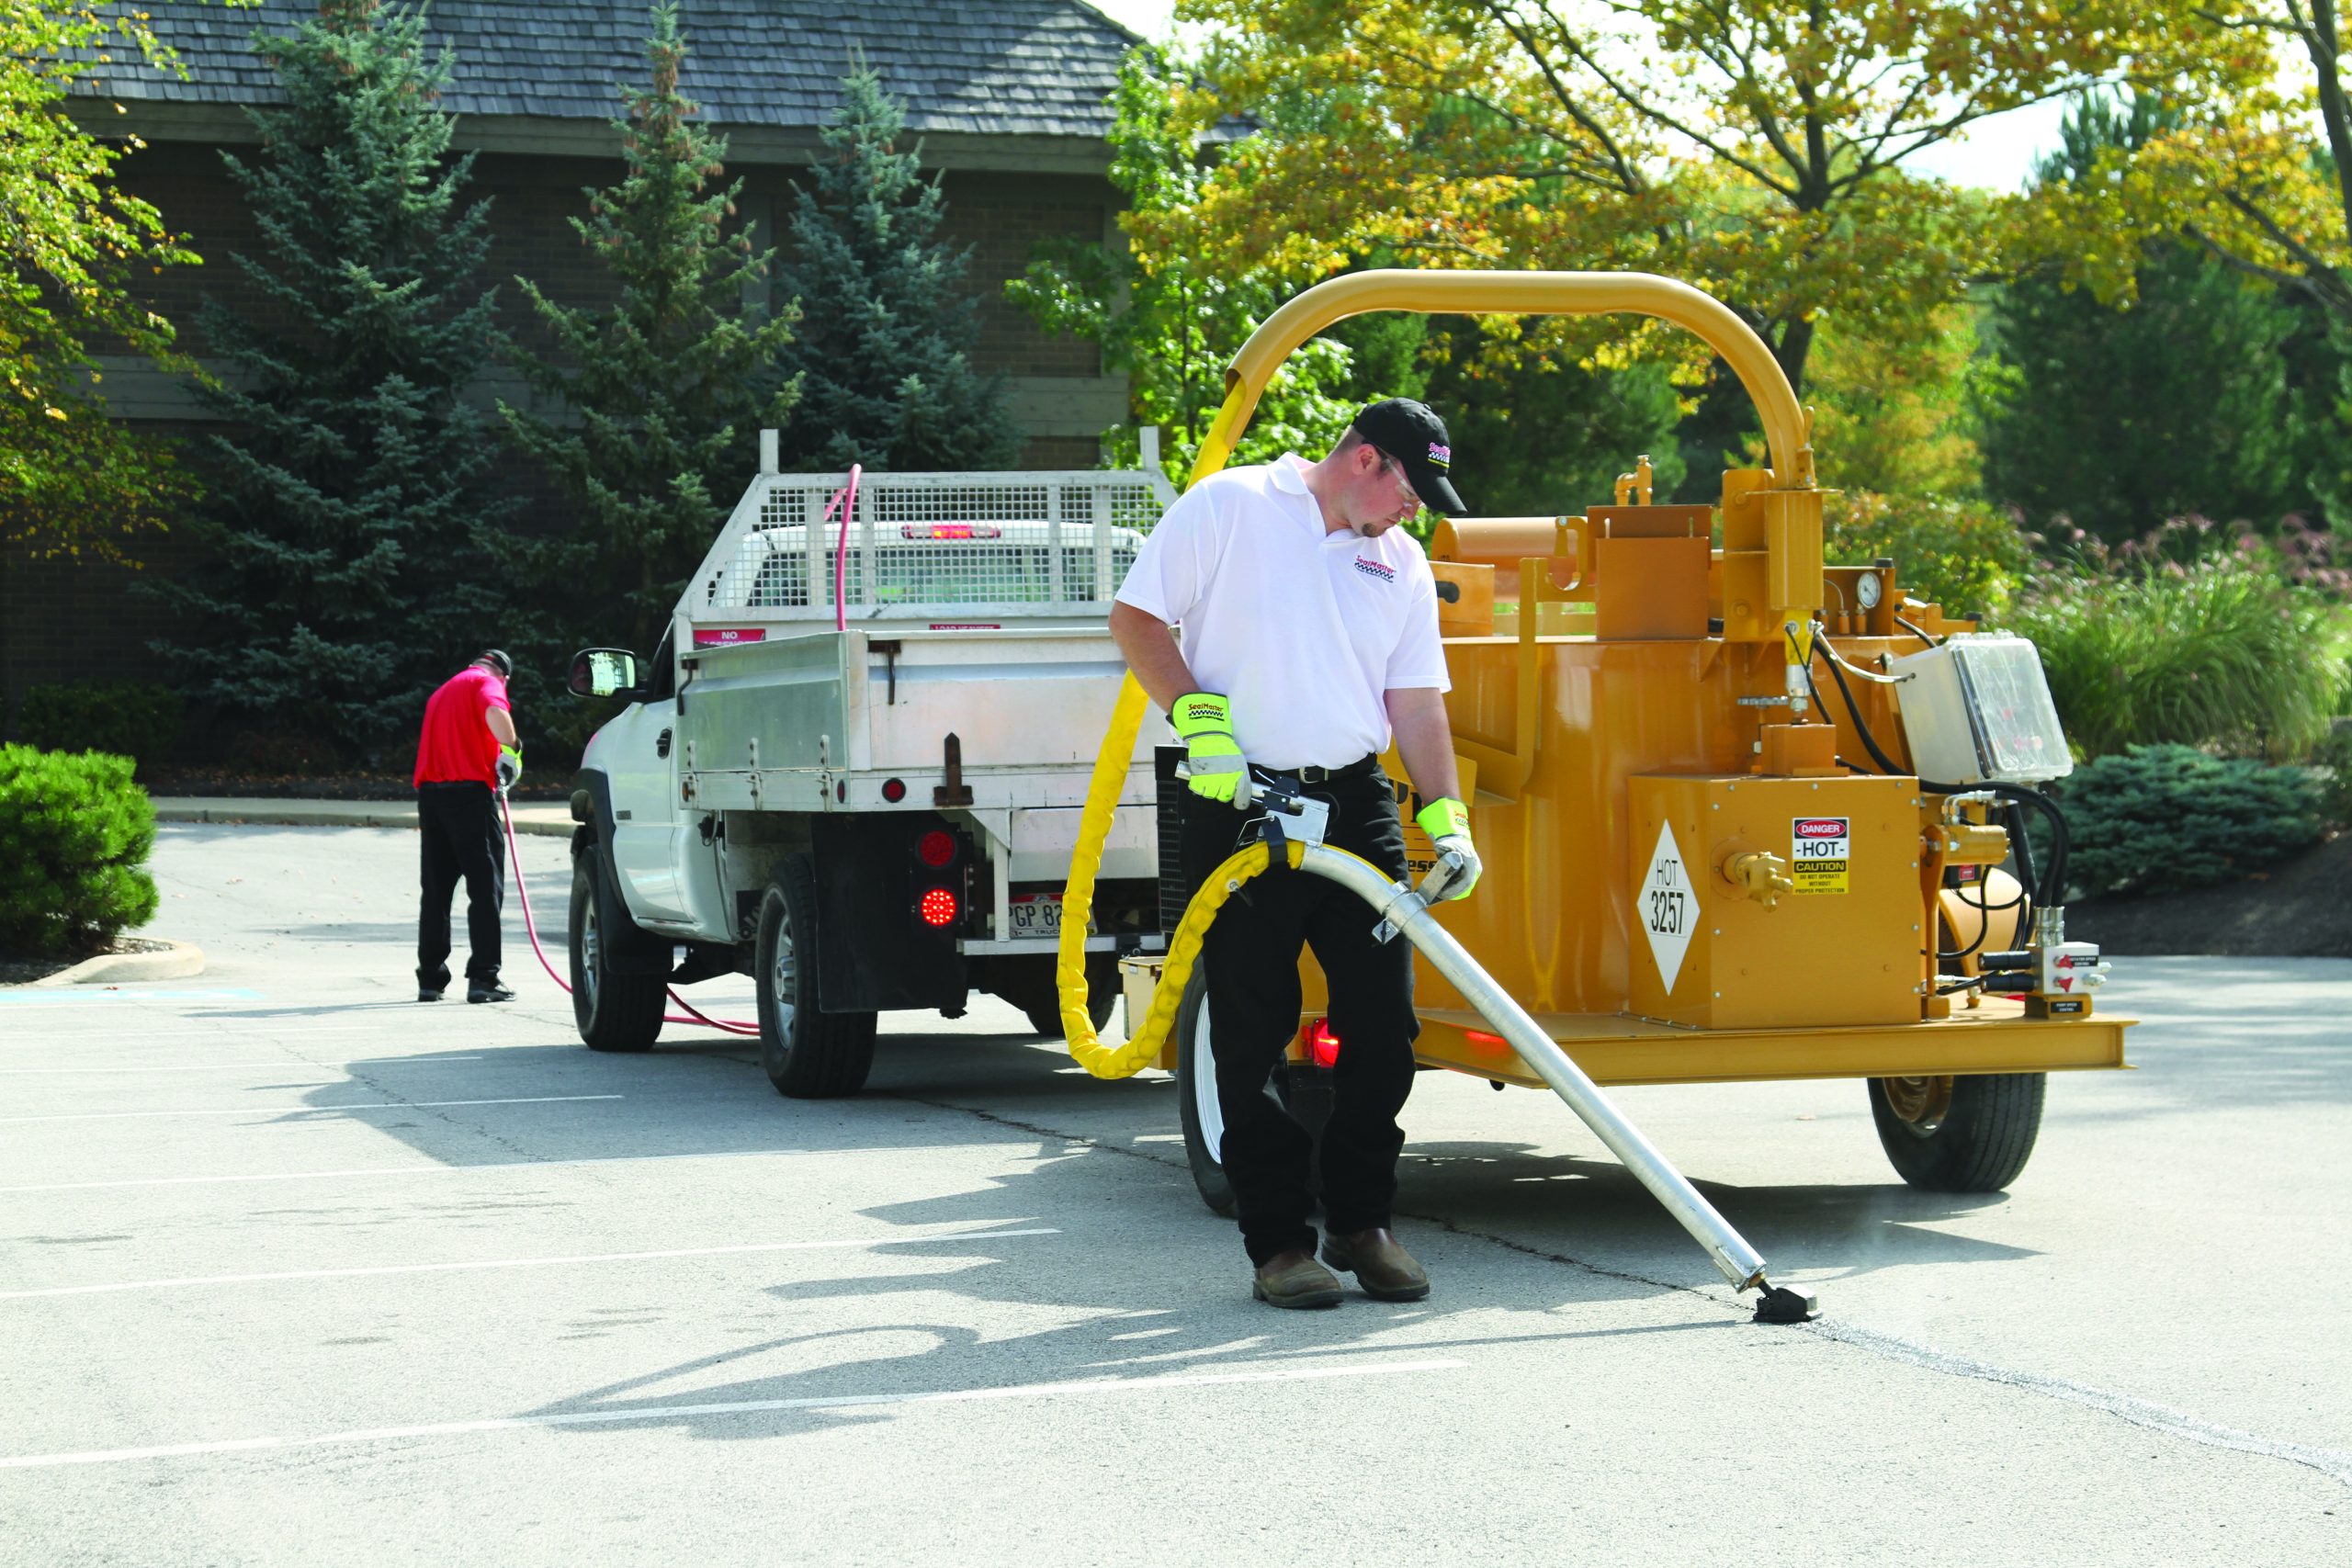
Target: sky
{"points": [[1996, 153]]}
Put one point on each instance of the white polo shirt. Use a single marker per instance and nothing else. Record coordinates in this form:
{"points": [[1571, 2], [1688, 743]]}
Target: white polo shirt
{"points": [[1302, 629]]}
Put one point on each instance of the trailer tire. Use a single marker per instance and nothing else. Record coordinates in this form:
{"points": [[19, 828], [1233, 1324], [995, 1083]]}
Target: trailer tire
{"points": [[1303, 1092], [1970, 1133], [614, 1012], [808, 1055], [1196, 1102]]}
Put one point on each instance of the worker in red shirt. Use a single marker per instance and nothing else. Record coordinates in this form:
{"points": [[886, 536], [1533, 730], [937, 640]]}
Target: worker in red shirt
{"points": [[466, 753]]}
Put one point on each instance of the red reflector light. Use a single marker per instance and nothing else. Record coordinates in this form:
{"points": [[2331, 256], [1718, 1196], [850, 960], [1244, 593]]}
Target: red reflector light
{"points": [[894, 790], [1322, 1045], [1480, 1037], [938, 907], [935, 848], [949, 531]]}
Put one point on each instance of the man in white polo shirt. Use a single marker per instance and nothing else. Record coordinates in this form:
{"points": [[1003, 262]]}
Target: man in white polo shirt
{"points": [[1310, 635]]}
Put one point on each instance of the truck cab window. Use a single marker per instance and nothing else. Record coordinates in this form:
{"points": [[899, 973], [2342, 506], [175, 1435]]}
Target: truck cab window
{"points": [[661, 680]]}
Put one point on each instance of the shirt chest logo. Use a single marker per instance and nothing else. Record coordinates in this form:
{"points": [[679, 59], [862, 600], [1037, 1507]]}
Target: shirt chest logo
{"points": [[1375, 570]]}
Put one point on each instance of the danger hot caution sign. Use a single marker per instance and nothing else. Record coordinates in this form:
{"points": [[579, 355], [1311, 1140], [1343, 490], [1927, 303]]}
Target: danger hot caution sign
{"points": [[1823, 850]]}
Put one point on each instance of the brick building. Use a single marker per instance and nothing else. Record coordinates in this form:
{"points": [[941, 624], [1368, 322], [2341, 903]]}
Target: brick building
{"points": [[1006, 96]]}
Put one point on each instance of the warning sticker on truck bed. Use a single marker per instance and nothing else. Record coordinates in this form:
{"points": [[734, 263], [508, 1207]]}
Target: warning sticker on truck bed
{"points": [[1821, 849]]}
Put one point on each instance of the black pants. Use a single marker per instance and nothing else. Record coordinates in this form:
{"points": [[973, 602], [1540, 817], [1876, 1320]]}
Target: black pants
{"points": [[1252, 952], [458, 826]]}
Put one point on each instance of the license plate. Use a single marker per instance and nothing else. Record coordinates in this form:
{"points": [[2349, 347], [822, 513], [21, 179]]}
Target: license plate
{"points": [[1038, 914]]}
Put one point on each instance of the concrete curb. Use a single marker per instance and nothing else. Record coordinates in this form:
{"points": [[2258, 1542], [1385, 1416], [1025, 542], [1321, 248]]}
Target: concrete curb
{"points": [[178, 962], [545, 819]]}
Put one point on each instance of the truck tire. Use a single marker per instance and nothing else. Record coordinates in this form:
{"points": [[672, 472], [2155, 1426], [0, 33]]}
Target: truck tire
{"points": [[1045, 1016], [614, 1012], [809, 1054], [1959, 1134]]}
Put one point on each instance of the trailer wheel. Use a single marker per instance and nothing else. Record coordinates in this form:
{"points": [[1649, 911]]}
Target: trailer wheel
{"points": [[614, 1012], [1959, 1134], [1304, 1093], [1196, 1102], [809, 1054]]}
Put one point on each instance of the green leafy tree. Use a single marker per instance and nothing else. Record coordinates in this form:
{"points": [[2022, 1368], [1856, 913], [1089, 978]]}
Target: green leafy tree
{"points": [[654, 400], [2172, 399], [1170, 323], [73, 480], [884, 355], [1755, 147], [346, 525]]}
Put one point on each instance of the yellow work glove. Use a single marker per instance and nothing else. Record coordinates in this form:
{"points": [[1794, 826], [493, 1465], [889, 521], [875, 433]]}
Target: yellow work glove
{"points": [[1447, 823], [1204, 723], [510, 766]]}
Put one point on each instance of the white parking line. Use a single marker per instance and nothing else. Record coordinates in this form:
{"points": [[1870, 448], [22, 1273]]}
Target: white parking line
{"points": [[893, 1150], [516, 1263], [1114, 1386], [245, 1067], [292, 1109]]}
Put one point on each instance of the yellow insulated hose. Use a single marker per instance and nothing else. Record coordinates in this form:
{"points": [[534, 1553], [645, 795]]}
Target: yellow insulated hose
{"points": [[1111, 766]]}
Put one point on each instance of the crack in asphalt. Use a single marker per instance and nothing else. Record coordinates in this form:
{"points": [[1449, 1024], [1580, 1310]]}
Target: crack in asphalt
{"points": [[2334, 1463]]}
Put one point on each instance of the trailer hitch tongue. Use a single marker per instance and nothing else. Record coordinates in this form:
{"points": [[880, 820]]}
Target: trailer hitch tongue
{"points": [[1401, 908]]}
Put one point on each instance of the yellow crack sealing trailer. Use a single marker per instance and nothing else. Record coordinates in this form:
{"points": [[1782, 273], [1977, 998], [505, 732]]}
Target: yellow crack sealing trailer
{"points": [[1697, 869]]}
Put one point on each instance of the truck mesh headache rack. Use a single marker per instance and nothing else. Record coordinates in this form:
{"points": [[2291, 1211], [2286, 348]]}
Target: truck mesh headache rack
{"points": [[1011, 543]]}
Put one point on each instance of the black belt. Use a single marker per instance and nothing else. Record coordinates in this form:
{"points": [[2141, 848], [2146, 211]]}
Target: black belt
{"points": [[1362, 767]]}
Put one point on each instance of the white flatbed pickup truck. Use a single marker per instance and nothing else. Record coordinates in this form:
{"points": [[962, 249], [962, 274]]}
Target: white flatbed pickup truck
{"points": [[854, 768]]}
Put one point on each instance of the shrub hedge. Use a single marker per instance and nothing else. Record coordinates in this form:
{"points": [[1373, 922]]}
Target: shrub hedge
{"points": [[75, 836], [129, 718], [2158, 818], [2221, 654]]}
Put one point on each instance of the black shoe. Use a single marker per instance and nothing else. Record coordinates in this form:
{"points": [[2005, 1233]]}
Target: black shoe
{"points": [[425, 995], [493, 992]]}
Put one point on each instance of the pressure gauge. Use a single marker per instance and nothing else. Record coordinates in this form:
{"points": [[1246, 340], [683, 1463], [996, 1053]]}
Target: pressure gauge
{"points": [[1867, 588]]}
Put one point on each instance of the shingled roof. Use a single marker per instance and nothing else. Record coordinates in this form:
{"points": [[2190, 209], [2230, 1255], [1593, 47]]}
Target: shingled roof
{"points": [[979, 67]]}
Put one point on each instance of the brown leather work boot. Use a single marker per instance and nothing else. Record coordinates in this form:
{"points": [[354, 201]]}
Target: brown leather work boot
{"points": [[1385, 1270], [1293, 1279]]}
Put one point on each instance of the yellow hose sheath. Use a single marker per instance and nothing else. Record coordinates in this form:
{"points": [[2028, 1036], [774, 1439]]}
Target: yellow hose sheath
{"points": [[1103, 791]]}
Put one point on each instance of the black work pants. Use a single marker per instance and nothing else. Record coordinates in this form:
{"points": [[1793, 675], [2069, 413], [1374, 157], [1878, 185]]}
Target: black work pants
{"points": [[458, 826], [1252, 952]]}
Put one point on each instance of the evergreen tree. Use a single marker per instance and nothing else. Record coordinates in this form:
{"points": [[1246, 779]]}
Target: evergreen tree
{"points": [[348, 519], [2119, 419], [884, 356], [659, 406]]}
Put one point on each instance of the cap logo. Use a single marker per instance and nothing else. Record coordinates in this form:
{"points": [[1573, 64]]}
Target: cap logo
{"points": [[1439, 454]]}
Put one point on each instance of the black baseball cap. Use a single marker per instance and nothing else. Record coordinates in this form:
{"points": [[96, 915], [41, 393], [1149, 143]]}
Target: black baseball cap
{"points": [[496, 658], [1412, 434]]}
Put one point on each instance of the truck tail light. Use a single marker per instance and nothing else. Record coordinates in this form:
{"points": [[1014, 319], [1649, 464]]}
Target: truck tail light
{"points": [[937, 849], [1322, 1045], [939, 907]]}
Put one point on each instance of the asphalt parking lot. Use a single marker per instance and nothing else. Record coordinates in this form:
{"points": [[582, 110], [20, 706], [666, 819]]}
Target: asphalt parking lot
{"points": [[296, 1270]]}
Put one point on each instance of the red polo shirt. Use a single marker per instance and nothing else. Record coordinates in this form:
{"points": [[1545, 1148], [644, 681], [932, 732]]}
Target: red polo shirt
{"points": [[456, 743]]}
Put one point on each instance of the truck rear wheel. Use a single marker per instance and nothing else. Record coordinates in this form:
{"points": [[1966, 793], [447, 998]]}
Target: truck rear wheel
{"points": [[809, 1054], [1972, 1134], [1041, 1001], [614, 1012]]}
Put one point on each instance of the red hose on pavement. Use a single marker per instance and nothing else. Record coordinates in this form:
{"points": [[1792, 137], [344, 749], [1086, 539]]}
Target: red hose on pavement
{"points": [[514, 858]]}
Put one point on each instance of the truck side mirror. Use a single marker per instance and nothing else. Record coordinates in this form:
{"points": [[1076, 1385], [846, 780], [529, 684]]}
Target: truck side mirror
{"points": [[603, 673]]}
